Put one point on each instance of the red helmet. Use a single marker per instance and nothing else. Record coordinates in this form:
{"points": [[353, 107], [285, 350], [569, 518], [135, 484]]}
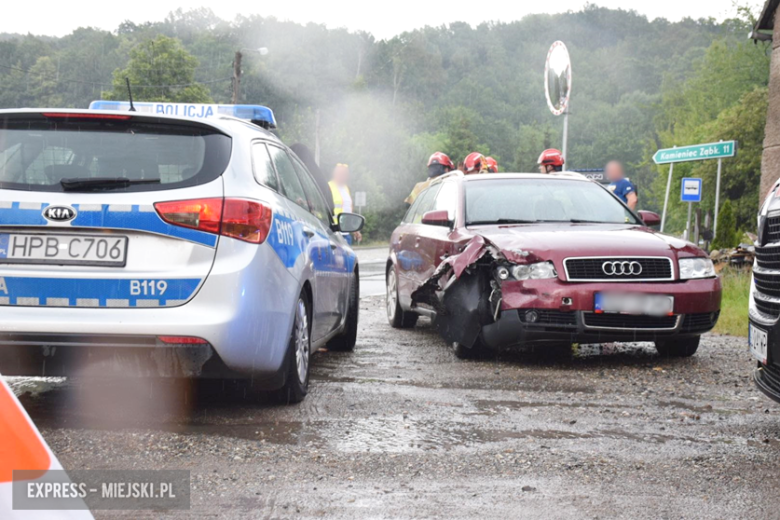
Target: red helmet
{"points": [[474, 162], [441, 158], [551, 157], [492, 165]]}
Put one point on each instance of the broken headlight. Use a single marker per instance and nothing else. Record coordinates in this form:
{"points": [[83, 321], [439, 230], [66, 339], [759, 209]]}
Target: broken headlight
{"points": [[691, 268], [537, 271]]}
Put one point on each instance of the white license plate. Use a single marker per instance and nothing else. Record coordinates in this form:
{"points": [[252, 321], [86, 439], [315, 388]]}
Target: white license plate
{"points": [[649, 304], [758, 343], [17, 248]]}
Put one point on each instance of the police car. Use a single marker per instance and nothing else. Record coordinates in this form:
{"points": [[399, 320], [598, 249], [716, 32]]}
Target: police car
{"points": [[173, 240]]}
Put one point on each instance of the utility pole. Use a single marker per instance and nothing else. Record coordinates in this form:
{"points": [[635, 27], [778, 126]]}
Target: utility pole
{"points": [[717, 198], [237, 78], [666, 198]]}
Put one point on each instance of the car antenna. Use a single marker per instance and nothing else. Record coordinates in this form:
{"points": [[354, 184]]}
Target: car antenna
{"points": [[130, 93]]}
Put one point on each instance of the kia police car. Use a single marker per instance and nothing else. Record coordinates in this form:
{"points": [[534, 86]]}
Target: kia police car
{"points": [[158, 242]]}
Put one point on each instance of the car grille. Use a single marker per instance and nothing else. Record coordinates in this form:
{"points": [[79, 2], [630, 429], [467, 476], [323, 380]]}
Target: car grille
{"points": [[548, 317], [699, 322], [629, 322], [767, 308], [768, 257], [766, 275], [767, 283], [772, 230], [589, 269]]}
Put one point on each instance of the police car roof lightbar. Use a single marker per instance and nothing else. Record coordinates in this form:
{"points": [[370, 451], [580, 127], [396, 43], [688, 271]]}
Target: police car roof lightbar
{"points": [[257, 114]]}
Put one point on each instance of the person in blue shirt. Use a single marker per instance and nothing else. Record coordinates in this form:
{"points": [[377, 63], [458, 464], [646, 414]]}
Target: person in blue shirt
{"points": [[620, 185]]}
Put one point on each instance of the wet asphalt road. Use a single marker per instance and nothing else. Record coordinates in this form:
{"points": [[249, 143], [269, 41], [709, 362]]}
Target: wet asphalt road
{"points": [[400, 428], [372, 270]]}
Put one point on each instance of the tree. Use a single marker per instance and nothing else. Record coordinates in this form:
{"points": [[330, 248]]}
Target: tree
{"points": [[639, 85], [728, 236], [724, 99], [44, 86], [160, 70]]}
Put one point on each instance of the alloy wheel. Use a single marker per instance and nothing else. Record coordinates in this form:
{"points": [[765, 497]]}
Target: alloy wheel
{"points": [[392, 294], [302, 341]]}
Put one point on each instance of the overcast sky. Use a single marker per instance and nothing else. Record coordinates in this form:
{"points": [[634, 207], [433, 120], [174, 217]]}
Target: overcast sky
{"points": [[383, 18]]}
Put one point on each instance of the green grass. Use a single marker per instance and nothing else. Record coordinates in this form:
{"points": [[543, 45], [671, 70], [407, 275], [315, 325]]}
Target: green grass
{"points": [[734, 306]]}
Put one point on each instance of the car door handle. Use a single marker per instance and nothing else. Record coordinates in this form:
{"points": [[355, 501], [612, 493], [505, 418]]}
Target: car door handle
{"points": [[334, 247], [308, 232]]}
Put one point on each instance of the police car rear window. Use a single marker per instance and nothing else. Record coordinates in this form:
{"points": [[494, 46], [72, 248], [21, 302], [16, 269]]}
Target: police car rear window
{"points": [[117, 156]]}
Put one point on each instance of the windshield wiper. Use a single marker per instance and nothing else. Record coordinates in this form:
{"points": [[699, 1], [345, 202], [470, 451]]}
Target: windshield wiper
{"points": [[502, 221], [580, 221], [102, 183]]}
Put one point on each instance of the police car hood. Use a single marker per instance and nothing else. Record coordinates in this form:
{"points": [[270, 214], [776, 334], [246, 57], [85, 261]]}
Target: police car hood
{"points": [[556, 241]]}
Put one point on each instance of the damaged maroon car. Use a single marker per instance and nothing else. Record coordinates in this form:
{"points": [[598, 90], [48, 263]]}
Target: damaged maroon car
{"points": [[545, 260]]}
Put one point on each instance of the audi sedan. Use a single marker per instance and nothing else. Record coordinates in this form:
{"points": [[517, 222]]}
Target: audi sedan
{"points": [[170, 246], [545, 260]]}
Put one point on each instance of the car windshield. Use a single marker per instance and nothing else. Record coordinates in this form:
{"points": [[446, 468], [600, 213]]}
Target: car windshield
{"points": [[534, 200], [126, 156]]}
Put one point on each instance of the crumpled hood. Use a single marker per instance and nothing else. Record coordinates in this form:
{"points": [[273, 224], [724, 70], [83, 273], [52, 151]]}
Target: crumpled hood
{"points": [[559, 241]]}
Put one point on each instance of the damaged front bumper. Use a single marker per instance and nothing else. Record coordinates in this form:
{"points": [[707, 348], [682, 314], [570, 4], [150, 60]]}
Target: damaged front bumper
{"points": [[533, 326], [473, 303]]}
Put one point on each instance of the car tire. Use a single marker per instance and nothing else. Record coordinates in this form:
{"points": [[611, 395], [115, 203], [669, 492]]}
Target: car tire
{"points": [[298, 354], [396, 316], [345, 342], [679, 347]]}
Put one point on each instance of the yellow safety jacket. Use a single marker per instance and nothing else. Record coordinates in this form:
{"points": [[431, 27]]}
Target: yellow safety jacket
{"points": [[418, 188], [338, 201]]}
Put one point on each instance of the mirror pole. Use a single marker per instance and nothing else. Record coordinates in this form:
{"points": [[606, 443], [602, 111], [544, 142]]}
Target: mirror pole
{"points": [[566, 133]]}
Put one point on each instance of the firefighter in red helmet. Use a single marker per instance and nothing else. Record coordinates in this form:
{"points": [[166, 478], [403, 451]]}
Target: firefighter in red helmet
{"points": [[551, 161], [438, 164], [474, 163], [492, 165]]}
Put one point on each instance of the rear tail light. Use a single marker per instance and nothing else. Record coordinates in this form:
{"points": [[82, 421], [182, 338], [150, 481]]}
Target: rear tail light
{"points": [[201, 214], [245, 220], [182, 340]]}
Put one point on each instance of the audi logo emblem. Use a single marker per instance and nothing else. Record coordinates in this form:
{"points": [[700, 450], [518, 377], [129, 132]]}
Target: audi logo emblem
{"points": [[624, 268]]}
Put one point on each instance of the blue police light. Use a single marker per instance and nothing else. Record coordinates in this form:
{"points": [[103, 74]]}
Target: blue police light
{"points": [[258, 114]]}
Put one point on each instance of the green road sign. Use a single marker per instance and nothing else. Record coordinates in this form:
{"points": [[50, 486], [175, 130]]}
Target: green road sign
{"points": [[696, 152]]}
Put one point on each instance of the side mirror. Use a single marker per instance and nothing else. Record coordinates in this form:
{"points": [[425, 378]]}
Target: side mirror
{"points": [[439, 217], [350, 222], [649, 218]]}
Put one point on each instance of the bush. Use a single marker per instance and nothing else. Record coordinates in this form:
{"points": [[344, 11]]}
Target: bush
{"points": [[380, 224], [728, 236]]}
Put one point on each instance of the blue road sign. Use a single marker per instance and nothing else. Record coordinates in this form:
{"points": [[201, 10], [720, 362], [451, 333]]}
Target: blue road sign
{"points": [[691, 190]]}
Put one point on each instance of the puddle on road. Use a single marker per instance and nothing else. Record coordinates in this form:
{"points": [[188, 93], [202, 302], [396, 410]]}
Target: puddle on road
{"points": [[293, 433], [401, 436]]}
